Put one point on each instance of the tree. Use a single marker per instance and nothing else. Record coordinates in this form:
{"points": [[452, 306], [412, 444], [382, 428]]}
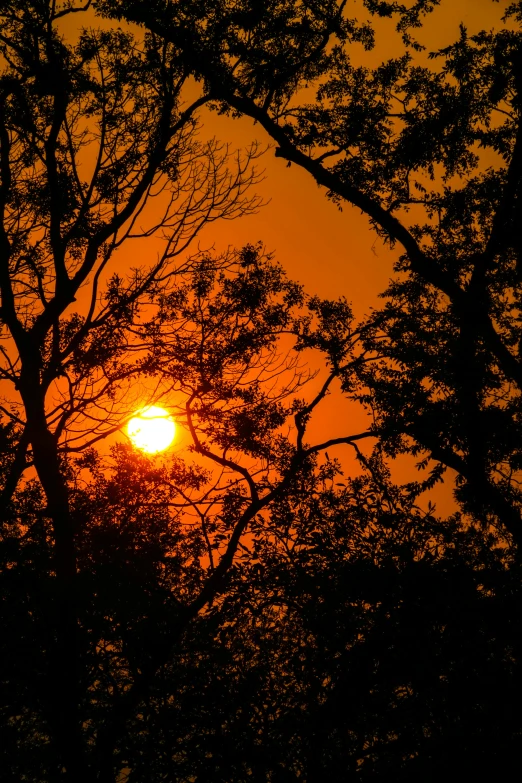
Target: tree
{"points": [[90, 131], [249, 615], [355, 635], [144, 581], [433, 157]]}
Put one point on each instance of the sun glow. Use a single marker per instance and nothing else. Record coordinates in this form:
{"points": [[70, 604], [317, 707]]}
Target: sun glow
{"points": [[151, 430]]}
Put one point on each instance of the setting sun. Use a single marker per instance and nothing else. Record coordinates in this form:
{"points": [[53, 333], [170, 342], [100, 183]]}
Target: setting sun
{"points": [[151, 430]]}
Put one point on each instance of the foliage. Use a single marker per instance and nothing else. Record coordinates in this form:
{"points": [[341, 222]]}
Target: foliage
{"points": [[429, 148], [254, 614], [356, 636], [91, 131], [84, 151]]}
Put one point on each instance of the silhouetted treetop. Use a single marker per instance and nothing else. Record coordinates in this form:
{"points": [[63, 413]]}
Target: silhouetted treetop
{"points": [[429, 148]]}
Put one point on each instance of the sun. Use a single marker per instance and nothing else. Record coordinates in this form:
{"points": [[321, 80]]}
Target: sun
{"points": [[151, 430]]}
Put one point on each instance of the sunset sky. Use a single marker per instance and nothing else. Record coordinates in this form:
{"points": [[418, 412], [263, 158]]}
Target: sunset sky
{"points": [[331, 252]]}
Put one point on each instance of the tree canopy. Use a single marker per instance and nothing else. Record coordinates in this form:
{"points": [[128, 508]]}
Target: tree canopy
{"points": [[246, 611], [431, 153]]}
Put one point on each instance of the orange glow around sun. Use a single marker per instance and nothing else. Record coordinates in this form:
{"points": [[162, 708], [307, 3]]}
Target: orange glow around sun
{"points": [[151, 430]]}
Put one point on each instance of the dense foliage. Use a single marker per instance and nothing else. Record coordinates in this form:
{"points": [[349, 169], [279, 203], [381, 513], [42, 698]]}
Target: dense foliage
{"points": [[248, 612], [432, 153]]}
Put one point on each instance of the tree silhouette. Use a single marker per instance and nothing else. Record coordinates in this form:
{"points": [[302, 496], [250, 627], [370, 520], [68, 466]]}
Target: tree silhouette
{"points": [[254, 614], [433, 157], [354, 636], [89, 133], [212, 338], [157, 546]]}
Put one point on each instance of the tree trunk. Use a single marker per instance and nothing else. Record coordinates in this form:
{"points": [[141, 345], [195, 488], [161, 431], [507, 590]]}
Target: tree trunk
{"points": [[64, 690]]}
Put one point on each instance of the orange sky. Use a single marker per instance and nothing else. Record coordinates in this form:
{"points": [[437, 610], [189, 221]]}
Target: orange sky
{"points": [[336, 253], [331, 252]]}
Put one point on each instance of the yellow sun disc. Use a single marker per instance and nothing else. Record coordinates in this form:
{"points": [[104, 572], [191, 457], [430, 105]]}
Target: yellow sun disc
{"points": [[151, 430]]}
